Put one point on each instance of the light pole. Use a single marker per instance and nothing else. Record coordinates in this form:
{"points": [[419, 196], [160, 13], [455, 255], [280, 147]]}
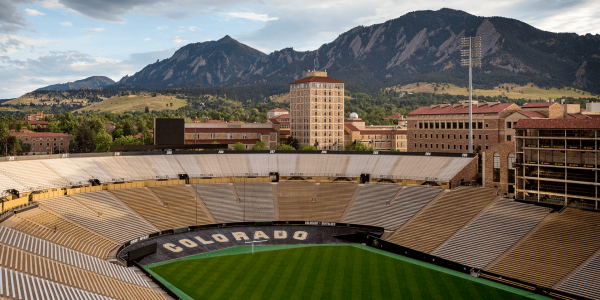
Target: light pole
{"points": [[254, 241], [470, 56]]}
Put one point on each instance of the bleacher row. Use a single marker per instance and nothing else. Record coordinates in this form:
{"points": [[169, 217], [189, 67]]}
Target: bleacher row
{"points": [[43, 174], [468, 225]]}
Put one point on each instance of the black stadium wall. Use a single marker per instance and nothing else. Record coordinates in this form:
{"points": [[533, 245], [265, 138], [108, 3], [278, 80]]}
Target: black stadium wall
{"points": [[188, 243]]}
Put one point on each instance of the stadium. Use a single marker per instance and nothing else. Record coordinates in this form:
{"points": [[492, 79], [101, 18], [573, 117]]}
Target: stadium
{"points": [[279, 225]]}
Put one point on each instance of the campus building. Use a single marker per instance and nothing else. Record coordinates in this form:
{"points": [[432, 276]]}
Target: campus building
{"points": [[37, 116], [43, 142], [557, 161], [230, 133], [378, 137], [317, 111], [281, 123], [445, 127]]}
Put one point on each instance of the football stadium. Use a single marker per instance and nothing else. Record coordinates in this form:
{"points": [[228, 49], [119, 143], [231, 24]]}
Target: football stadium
{"points": [[282, 225]]}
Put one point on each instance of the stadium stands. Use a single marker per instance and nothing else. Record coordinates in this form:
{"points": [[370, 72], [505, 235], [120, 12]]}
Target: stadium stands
{"points": [[40, 247], [308, 201], [181, 206], [23, 173], [91, 166], [101, 213], [221, 201], [439, 221], [555, 249], [492, 233], [585, 280], [257, 198], [50, 227]]}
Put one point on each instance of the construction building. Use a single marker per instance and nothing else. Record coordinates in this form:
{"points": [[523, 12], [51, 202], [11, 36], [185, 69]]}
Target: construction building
{"points": [[557, 161], [317, 111]]}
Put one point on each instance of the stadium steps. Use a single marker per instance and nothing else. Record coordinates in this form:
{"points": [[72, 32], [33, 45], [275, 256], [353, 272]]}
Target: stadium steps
{"points": [[554, 250], [201, 203], [370, 203], [276, 200], [235, 193], [51, 227], [492, 233], [584, 280], [221, 202], [182, 206], [351, 202], [443, 218], [424, 208], [258, 200], [35, 265], [39, 247], [146, 204], [133, 211]]}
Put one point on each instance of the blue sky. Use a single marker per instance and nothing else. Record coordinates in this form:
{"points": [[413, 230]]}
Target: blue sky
{"points": [[45, 42]]}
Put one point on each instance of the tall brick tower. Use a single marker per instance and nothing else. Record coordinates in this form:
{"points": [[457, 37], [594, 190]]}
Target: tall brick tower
{"points": [[317, 111]]}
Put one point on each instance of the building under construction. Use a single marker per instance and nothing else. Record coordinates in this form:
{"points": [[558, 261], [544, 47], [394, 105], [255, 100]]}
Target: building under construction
{"points": [[557, 161]]}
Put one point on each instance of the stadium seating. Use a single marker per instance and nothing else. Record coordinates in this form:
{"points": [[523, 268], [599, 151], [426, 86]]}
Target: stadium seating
{"points": [[101, 213], [492, 233], [257, 198], [221, 201], [140, 165], [31, 244], [32, 174], [439, 221], [190, 165], [64, 274], [585, 281], [68, 170], [181, 206], [554, 250], [91, 166], [51, 227], [296, 201]]}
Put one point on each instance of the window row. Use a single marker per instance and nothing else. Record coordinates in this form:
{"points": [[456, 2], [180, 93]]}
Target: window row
{"points": [[450, 125], [451, 136]]}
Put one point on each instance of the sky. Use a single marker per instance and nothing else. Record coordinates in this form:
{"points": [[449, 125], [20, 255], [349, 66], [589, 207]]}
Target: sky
{"points": [[45, 42]]}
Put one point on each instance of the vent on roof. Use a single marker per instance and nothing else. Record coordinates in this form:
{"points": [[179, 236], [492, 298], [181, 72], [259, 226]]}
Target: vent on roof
{"points": [[444, 105], [434, 106], [492, 103]]}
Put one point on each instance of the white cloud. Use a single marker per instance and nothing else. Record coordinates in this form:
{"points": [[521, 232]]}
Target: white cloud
{"points": [[92, 31], [33, 12], [161, 27], [252, 16], [66, 23], [146, 39], [194, 29], [178, 40]]}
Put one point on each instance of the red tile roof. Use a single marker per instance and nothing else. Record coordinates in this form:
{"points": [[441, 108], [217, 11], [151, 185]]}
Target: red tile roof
{"points": [[38, 122], [531, 114], [224, 142], [40, 134], [284, 131], [594, 116], [274, 121], [317, 79], [286, 116], [558, 124], [512, 143], [278, 109], [539, 104], [233, 130], [450, 109], [578, 116], [351, 127]]}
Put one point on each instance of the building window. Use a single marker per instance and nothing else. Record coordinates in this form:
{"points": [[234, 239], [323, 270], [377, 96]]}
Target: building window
{"points": [[496, 167], [509, 138], [486, 137], [442, 136], [426, 135], [460, 147], [229, 135], [479, 125], [212, 136], [508, 125], [480, 136], [511, 161], [454, 147]]}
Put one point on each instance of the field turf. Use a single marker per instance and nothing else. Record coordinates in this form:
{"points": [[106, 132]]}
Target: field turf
{"points": [[321, 272]]}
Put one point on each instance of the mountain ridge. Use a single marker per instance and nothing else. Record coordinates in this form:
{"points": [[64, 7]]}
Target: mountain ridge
{"points": [[91, 82], [418, 46]]}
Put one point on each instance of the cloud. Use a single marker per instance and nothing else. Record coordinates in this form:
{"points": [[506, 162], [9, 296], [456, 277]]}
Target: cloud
{"points": [[66, 23], [161, 27], [10, 44], [146, 39], [92, 31], [33, 12], [11, 19], [178, 40], [251, 16], [194, 29]]}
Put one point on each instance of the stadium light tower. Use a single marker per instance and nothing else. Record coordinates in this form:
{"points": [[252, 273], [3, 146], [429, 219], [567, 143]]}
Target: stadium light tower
{"points": [[470, 57]]}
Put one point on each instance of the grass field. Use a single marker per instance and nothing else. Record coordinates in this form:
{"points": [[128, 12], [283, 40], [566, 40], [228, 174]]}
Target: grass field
{"points": [[133, 103], [321, 272], [514, 91]]}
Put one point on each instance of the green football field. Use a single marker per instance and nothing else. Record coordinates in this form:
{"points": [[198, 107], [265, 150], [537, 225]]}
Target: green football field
{"points": [[321, 272]]}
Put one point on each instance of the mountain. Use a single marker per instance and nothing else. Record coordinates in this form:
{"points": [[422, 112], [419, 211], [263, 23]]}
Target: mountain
{"points": [[90, 83], [419, 46], [214, 63]]}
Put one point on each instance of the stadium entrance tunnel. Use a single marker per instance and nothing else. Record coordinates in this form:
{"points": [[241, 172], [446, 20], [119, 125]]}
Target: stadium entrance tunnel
{"points": [[178, 245]]}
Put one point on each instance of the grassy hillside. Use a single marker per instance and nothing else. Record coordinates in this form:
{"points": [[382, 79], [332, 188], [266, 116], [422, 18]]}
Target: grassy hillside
{"points": [[120, 104], [530, 91], [55, 98]]}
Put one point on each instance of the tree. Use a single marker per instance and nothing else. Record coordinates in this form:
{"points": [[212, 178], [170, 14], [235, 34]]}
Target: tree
{"points": [[261, 145], [147, 138], [293, 142], [306, 148], [103, 142], [128, 128], [126, 140], [239, 146], [147, 109], [285, 147], [85, 139], [358, 146]]}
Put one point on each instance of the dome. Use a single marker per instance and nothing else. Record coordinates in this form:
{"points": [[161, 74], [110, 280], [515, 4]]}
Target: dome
{"points": [[353, 115]]}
